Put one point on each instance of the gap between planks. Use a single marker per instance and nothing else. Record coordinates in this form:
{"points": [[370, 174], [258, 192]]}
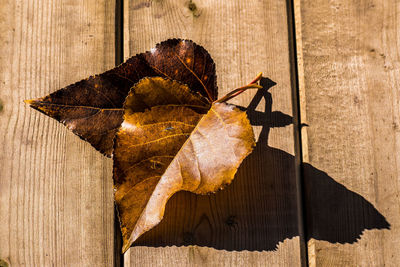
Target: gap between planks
{"points": [[119, 58], [294, 29]]}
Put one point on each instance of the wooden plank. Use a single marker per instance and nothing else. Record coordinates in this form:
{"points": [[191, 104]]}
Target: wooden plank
{"points": [[351, 100], [56, 201], [252, 222]]}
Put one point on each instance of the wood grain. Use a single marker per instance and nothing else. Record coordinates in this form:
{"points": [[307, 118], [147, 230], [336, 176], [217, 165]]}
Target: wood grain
{"points": [[55, 190], [253, 222], [351, 102]]}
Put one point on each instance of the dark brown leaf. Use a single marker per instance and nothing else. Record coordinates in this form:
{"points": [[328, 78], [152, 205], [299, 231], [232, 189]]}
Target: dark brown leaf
{"points": [[92, 108], [177, 140]]}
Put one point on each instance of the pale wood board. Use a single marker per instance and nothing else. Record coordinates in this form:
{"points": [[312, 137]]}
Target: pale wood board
{"points": [[56, 200], [351, 101], [258, 211]]}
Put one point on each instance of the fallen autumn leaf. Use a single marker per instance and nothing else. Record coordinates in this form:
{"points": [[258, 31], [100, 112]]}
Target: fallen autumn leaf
{"points": [[158, 116], [92, 108], [172, 145]]}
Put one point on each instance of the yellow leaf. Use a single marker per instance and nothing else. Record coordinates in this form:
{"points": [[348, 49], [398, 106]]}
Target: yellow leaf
{"points": [[191, 145]]}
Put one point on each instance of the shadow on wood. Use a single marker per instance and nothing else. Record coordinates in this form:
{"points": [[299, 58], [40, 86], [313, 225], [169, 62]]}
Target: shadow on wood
{"points": [[258, 210], [334, 213]]}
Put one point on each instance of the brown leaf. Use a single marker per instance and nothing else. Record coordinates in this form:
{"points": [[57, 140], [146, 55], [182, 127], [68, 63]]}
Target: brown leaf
{"points": [[92, 108], [179, 141]]}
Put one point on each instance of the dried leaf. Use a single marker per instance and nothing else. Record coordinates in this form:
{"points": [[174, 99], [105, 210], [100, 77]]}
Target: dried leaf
{"points": [[176, 141], [92, 108], [174, 134]]}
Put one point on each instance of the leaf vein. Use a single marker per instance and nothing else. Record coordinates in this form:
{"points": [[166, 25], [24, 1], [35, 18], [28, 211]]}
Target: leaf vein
{"points": [[133, 187], [165, 122], [195, 75], [72, 106], [147, 159], [158, 139]]}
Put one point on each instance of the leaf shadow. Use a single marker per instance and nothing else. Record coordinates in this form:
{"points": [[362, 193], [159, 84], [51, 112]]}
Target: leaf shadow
{"points": [[259, 210]]}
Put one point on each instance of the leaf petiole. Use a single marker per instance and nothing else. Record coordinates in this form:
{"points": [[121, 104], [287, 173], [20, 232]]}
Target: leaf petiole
{"points": [[253, 84]]}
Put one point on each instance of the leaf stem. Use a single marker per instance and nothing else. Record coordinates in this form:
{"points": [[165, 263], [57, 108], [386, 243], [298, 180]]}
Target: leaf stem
{"points": [[253, 84]]}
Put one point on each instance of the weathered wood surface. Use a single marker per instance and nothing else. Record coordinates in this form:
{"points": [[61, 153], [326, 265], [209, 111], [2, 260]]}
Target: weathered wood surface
{"points": [[351, 102], [56, 202], [252, 222], [56, 205]]}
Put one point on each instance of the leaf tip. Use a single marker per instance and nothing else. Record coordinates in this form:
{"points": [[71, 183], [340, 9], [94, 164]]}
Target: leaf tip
{"points": [[125, 246], [30, 101]]}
